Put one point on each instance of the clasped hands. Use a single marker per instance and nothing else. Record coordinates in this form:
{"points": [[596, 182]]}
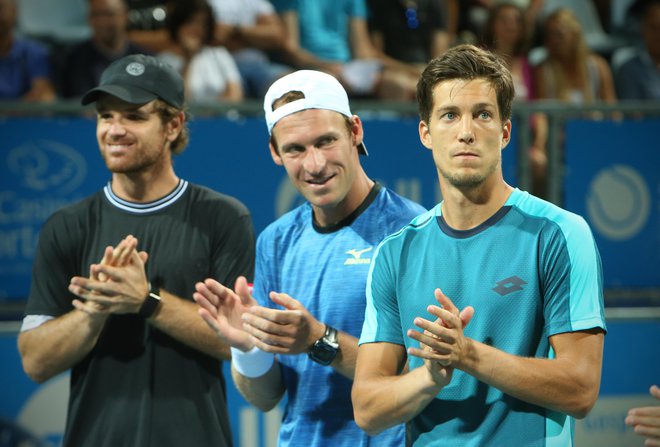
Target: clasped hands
{"points": [[443, 345], [237, 319], [116, 285]]}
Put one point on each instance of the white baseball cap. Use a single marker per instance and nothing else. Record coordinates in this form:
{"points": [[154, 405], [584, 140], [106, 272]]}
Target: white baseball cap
{"points": [[321, 90]]}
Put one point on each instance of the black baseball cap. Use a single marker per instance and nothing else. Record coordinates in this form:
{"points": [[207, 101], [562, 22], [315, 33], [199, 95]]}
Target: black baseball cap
{"points": [[139, 79]]}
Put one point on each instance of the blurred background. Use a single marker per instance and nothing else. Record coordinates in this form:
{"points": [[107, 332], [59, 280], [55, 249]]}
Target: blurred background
{"points": [[586, 136]]}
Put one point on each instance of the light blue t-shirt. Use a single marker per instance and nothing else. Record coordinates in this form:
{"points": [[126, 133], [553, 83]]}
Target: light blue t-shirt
{"points": [[530, 271], [326, 270], [323, 25]]}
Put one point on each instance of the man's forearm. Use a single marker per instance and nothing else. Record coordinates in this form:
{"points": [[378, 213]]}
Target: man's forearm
{"points": [[59, 344], [179, 319], [263, 392], [381, 402]]}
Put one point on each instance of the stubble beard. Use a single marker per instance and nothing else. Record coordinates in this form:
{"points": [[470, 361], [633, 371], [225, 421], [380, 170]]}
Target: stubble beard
{"points": [[142, 163], [466, 181]]}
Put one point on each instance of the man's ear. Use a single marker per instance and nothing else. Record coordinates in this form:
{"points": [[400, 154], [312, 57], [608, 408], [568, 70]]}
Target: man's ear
{"points": [[424, 135], [357, 130], [175, 126], [274, 154], [506, 133]]}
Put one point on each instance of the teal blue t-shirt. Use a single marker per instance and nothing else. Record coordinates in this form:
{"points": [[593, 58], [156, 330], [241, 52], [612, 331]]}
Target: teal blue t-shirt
{"points": [[323, 25], [530, 271]]}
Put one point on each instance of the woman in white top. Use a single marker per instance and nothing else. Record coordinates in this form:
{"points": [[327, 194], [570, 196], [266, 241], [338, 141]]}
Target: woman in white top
{"points": [[209, 72], [571, 72]]}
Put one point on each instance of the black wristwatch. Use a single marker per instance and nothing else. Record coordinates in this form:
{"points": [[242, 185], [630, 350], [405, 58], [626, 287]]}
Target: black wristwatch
{"points": [[325, 349], [150, 303]]}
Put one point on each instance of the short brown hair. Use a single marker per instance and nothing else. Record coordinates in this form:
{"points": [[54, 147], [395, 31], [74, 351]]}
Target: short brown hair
{"points": [[167, 113], [466, 62]]}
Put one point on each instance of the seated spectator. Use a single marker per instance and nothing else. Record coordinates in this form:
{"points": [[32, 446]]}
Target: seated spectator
{"points": [[506, 34], [639, 76], [209, 72], [24, 64], [468, 18], [84, 63], [571, 72], [332, 36], [412, 32], [251, 30]]}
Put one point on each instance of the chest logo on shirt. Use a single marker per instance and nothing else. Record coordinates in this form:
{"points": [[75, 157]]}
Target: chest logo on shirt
{"points": [[508, 285], [356, 256]]}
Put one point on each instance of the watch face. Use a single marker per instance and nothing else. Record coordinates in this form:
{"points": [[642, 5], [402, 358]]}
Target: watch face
{"points": [[322, 353]]}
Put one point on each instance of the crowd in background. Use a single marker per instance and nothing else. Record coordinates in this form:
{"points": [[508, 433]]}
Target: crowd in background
{"points": [[231, 50]]}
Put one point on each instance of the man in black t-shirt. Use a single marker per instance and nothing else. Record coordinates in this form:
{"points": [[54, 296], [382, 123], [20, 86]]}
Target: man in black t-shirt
{"points": [[144, 366]]}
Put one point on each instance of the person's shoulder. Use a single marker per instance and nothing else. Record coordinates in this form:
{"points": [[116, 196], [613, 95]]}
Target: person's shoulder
{"points": [[413, 228], [536, 207], [396, 207], [261, 7], [83, 51], [24, 45], [289, 222], [203, 196], [75, 211]]}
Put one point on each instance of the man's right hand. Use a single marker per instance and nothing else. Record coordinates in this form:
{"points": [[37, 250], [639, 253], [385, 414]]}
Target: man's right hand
{"points": [[115, 256], [222, 308]]}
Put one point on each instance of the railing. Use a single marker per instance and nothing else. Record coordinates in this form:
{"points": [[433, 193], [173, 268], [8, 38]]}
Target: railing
{"points": [[557, 115]]}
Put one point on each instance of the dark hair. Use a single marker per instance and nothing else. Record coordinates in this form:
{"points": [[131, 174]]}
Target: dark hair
{"points": [[488, 37], [181, 11], [466, 62], [295, 95], [167, 113]]}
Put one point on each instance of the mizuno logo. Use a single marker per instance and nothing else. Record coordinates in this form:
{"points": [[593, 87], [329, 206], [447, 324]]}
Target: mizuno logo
{"points": [[357, 256], [508, 285]]}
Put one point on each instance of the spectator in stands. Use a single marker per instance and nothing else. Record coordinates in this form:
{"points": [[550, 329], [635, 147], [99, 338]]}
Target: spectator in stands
{"points": [[209, 72], [639, 76], [332, 36], [24, 64], [571, 72], [413, 32], [470, 17], [251, 30], [84, 63], [646, 420], [506, 35]]}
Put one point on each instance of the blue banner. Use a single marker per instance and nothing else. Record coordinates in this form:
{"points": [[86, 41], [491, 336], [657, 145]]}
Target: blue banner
{"points": [[49, 163], [613, 181]]}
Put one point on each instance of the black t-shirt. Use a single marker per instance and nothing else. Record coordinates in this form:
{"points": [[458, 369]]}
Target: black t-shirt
{"points": [[82, 65], [139, 386], [395, 20]]}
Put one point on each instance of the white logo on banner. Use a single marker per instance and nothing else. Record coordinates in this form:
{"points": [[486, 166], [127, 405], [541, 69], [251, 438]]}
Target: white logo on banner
{"points": [[47, 165], [44, 412], [618, 202]]}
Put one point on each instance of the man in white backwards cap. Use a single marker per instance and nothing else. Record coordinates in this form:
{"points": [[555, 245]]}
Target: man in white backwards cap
{"points": [[295, 332]]}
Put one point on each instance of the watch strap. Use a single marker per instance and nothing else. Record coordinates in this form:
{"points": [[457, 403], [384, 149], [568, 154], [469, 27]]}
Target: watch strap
{"points": [[325, 349], [330, 337], [151, 302]]}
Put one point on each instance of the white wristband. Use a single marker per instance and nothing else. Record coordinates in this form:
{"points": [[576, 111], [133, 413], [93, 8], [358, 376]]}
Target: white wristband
{"points": [[254, 363]]}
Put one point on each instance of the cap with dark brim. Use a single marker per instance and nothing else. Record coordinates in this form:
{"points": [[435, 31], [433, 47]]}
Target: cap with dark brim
{"points": [[133, 95], [139, 79]]}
